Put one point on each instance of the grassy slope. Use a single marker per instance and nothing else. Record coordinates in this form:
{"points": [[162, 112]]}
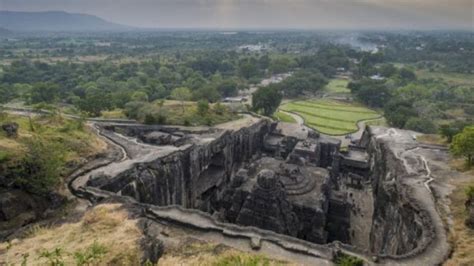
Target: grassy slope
{"points": [[194, 252], [76, 142], [329, 116], [106, 225], [109, 227]]}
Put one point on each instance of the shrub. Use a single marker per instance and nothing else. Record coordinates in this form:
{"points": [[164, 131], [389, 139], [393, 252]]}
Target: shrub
{"points": [[219, 108], [55, 257], [202, 107], [186, 122], [4, 156], [91, 256], [470, 192], [420, 125], [347, 260], [39, 171]]}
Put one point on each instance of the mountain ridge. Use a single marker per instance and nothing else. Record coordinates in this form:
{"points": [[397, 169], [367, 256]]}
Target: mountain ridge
{"points": [[56, 21]]}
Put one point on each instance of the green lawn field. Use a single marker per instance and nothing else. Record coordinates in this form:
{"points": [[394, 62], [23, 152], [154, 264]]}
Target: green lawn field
{"points": [[329, 116], [280, 116], [338, 86]]}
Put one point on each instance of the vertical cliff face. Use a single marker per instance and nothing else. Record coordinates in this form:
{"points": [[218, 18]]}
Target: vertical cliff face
{"points": [[398, 224], [190, 177]]}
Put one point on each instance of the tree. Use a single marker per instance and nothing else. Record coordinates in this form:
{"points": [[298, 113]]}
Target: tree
{"points": [[208, 92], [181, 94], [407, 74], [140, 96], [228, 88], [280, 65], [45, 92], [266, 99], [387, 70], [95, 102], [397, 112], [372, 93], [450, 130], [248, 69], [39, 171], [463, 144], [202, 107], [420, 125]]}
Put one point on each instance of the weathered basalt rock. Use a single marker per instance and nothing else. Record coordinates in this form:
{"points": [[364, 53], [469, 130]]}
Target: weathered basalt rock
{"points": [[230, 174], [267, 206]]}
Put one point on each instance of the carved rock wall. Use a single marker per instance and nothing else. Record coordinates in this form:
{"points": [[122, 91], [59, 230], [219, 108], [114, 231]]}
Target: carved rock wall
{"points": [[397, 225], [188, 177]]}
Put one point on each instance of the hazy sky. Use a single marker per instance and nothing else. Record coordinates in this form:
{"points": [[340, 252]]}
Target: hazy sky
{"points": [[348, 14]]}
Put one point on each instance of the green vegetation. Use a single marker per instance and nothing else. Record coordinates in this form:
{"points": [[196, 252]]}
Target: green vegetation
{"points": [[36, 158], [422, 105], [463, 145], [347, 260], [179, 113], [283, 117], [449, 77], [470, 192], [266, 100], [329, 116], [337, 86], [91, 256]]}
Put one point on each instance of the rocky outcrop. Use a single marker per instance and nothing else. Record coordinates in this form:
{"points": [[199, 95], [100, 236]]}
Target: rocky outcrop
{"points": [[19, 208], [399, 224], [219, 171], [189, 176]]}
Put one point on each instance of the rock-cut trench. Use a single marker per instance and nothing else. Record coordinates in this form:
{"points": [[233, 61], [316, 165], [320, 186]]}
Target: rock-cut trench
{"points": [[283, 178]]}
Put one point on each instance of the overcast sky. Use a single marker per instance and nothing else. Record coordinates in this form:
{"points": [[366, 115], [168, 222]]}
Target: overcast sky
{"points": [[307, 14]]}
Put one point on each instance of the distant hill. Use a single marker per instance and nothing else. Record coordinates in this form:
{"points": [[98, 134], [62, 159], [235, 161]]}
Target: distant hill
{"points": [[4, 32], [55, 21]]}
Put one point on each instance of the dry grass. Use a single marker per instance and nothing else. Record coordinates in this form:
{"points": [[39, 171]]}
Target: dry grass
{"points": [[106, 225], [194, 252], [461, 237], [432, 139], [113, 114]]}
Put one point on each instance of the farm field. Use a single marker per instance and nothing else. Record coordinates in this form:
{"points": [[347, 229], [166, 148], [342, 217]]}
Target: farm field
{"points": [[329, 116], [283, 117], [337, 86]]}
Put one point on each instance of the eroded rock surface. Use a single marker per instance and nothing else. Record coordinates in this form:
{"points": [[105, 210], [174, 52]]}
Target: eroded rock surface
{"points": [[291, 182]]}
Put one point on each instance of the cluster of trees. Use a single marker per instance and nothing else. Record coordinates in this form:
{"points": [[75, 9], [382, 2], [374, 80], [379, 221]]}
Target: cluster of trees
{"points": [[98, 86], [450, 51], [411, 103], [93, 87]]}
